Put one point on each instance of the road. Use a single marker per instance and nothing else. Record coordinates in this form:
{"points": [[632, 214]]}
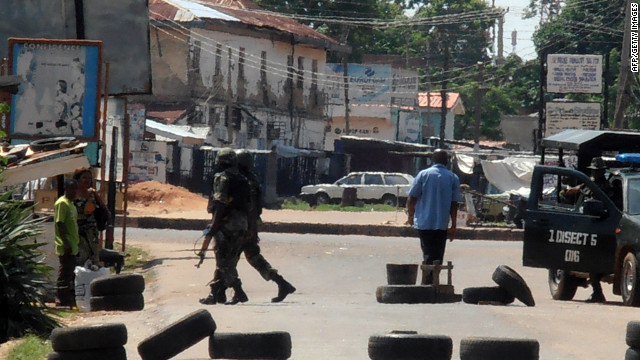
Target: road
{"points": [[334, 311]]}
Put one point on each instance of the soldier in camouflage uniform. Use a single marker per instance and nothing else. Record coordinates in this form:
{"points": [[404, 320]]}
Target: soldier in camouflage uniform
{"points": [[250, 245], [228, 228]]}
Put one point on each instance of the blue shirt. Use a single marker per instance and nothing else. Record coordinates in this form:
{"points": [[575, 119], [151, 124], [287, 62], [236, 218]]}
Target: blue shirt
{"points": [[435, 188]]}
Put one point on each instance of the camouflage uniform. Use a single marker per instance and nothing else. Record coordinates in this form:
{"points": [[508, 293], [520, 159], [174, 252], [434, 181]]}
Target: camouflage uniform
{"points": [[230, 197], [249, 244]]}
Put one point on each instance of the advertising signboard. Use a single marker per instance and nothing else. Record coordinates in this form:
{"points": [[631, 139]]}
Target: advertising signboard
{"points": [[574, 73], [59, 90], [574, 115]]}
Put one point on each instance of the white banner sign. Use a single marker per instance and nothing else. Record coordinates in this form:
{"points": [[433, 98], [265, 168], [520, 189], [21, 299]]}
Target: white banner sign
{"points": [[574, 73], [562, 116]]}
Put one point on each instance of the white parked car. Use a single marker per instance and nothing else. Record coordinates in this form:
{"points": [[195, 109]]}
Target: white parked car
{"points": [[374, 187]]}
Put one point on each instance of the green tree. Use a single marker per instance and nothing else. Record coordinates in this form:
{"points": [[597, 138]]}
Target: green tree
{"points": [[22, 273]]}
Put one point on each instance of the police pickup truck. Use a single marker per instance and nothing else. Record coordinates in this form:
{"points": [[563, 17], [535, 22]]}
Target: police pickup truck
{"points": [[574, 236]]}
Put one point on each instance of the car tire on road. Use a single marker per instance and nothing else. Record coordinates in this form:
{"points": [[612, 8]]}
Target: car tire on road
{"points": [[489, 294], [115, 353], [514, 284], [486, 348], [630, 281], [122, 302], [273, 345], [322, 198], [117, 285], [408, 346], [178, 336], [406, 294], [562, 284], [632, 354], [88, 337], [390, 200], [633, 334]]}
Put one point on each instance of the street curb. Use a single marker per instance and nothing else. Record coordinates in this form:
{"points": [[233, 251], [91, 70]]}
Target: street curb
{"points": [[465, 233]]}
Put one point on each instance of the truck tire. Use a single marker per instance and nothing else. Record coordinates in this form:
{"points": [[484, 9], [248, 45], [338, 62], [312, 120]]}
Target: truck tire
{"points": [[493, 294], [116, 353], [629, 281], [178, 336], [410, 346], [273, 345], [633, 334], [514, 284], [88, 337], [117, 285], [121, 302], [406, 294], [562, 284], [486, 348]]}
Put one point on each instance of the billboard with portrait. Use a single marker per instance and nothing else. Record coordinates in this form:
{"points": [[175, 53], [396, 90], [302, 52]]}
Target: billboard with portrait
{"points": [[59, 90]]}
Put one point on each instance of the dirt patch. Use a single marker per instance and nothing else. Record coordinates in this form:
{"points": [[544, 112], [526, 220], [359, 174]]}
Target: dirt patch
{"points": [[152, 198]]}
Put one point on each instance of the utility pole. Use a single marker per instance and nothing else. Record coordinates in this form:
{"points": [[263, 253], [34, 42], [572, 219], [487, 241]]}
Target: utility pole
{"points": [[345, 77], [443, 95], [478, 109], [622, 97], [500, 40], [428, 85]]}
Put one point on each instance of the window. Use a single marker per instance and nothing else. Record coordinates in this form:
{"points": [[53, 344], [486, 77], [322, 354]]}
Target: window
{"points": [[373, 179], [276, 130], [352, 180], [633, 196], [395, 180], [300, 82]]}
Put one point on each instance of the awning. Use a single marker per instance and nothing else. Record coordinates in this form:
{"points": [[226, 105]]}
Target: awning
{"points": [[45, 164], [174, 132]]}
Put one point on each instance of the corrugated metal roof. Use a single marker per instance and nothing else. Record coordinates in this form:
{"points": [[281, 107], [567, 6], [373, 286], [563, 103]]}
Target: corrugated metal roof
{"points": [[228, 10], [434, 100]]}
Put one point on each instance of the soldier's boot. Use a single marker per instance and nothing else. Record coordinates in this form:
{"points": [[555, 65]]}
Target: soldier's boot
{"points": [[238, 294], [284, 288], [214, 296]]}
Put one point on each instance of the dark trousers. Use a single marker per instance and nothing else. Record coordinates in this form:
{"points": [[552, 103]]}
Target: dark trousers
{"points": [[66, 279], [433, 243]]}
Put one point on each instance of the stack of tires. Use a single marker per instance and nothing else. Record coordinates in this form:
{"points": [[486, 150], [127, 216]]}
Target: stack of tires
{"points": [[119, 292], [401, 287], [511, 286], [191, 329], [633, 341], [95, 342]]}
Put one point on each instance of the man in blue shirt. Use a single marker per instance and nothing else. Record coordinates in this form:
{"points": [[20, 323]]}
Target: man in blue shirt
{"points": [[433, 199]]}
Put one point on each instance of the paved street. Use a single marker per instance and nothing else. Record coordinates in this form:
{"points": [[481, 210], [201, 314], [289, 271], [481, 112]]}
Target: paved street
{"points": [[334, 311]]}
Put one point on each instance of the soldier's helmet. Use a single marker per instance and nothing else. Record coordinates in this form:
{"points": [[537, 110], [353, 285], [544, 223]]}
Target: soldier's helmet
{"points": [[226, 156], [245, 160]]}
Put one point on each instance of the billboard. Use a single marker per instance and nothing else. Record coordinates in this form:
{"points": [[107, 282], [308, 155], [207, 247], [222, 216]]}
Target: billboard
{"points": [[574, 73], [59, 90], [574, 115]]}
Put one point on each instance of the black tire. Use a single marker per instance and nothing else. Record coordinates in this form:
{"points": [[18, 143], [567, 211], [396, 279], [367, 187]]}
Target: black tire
{"points": [[633, 334], [562, 284], [632, 354], [116, 353], [49, 143], [514, 284], [122, 302], [630, 281], [273, 345], [322, 198], [117, 285], [388, 199], [177, 336], [410, 346], [485, 348], [475, 295], [88, 337], [406, 294]]}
